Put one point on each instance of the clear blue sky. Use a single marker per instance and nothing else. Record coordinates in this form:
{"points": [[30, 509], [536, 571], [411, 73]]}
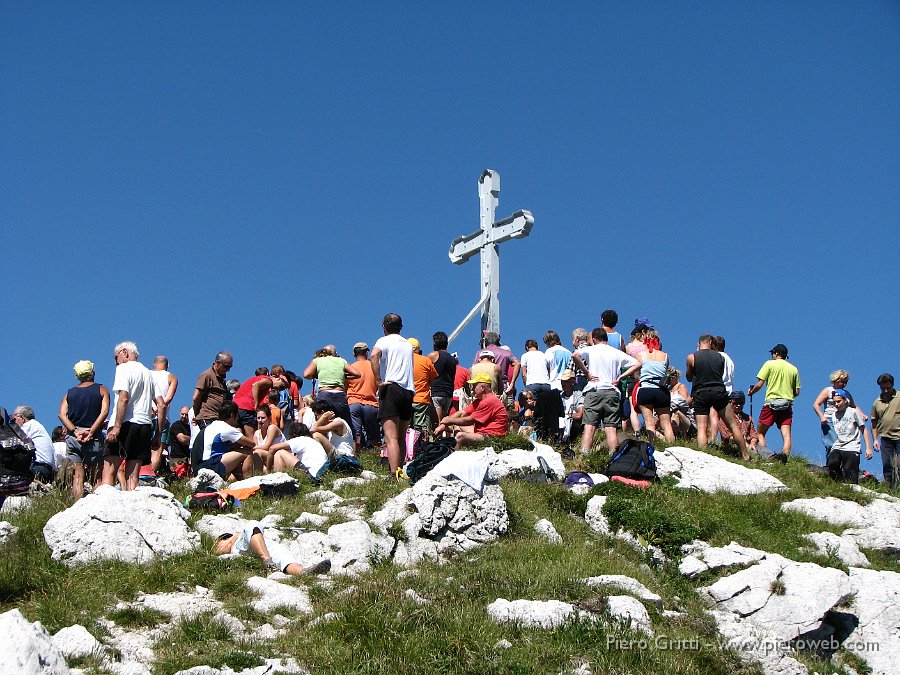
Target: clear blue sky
{"points": [[268, 177]]}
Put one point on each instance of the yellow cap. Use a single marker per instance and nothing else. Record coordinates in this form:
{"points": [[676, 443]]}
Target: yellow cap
{"points": [[481, 377], [83, 368], [413, 342]]}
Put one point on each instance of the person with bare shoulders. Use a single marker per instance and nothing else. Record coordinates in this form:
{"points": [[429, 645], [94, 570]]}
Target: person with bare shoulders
{"points": [[168, 383], [266, 434], [83, 412], [705, 369], [332, 373], [652, 395], [445, 365]]}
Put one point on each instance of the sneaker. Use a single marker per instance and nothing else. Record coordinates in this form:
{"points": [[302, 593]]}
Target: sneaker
{"points": [[400, 476], [272, 566], [321, 567]]}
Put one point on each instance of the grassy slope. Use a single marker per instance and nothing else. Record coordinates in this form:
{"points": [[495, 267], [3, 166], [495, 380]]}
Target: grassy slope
{"points": [[380, 630]]}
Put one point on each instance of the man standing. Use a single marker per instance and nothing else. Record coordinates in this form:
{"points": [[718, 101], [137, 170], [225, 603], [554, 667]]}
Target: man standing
{"points": [[601, 393], [705, 369], [180, 438], [484, 418], [608, 320], [885, 420], [782, 382], [424, 373], [44, 465], [362, 395], [392, 364], [130, 438], [210, 392], [503, 358], [168, 383], [82, 412], [445, 364]]}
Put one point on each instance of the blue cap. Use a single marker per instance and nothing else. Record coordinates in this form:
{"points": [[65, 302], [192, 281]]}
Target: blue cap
{"points": [[840, 392]]}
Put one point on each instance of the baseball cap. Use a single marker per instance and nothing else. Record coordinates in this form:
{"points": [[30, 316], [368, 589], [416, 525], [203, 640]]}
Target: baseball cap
{"points": [[840, 392], [779, 349], [361, 345], [486, 353], [567, 374], [83, 367], [737, 396], [479, 378], [414, 342], [643, 321]]}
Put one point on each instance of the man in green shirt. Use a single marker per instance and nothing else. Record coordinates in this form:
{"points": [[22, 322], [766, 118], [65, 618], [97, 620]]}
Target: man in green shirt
{"points": [[885, 420], [782, 383]]}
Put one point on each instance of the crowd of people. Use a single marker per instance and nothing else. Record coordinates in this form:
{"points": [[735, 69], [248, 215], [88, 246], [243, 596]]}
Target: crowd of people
{"points": [[389, 396]]}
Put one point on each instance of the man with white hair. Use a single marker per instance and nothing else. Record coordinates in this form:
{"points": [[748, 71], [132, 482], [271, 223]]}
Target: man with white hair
{"points": [[130, 435], [44, 465]]}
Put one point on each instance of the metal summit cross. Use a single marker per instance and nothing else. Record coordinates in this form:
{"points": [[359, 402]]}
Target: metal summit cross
{"points": [[485, 241]]}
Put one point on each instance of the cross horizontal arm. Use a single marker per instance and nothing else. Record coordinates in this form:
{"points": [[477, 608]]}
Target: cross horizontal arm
{"points": [[463, 248], [517, 226]]}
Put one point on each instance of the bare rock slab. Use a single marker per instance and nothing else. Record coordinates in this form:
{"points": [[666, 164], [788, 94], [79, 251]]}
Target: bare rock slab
{"points": [[273, 595], [627, 584], [843, 547], [27, 648], [876, 639], [75, 641], [135, 527], [701, 471]]}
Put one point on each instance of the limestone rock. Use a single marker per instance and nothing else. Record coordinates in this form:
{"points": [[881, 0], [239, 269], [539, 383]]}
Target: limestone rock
{"points": [[702, 557], [179, 605], [7, 532], [594, 515], [631, 612], [278, 478], [309, 547], [754, 643], [395, 510], [831, 510], [75, 641], [877, 537], [27, 648], [876, 639], [307, 519], [533, 613], [514, 462], [16, 504], [354, 545], [627, 584], [273, 595], [788, 598], [701, 471], [545, 528], [349, 480], [206, 478], [415, 598], [324, 496], [845, 548], [136, 527], [456, 516]]}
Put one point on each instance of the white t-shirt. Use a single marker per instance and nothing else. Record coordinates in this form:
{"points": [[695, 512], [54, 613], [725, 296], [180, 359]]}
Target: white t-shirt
{"points": [[728, 373], [606, 363], [535, 363], [134, 378], [343, 443], [849, 430], [396, 363], [43, 446], [161, 381], [309, 452], [558, 359], [218, 437]]}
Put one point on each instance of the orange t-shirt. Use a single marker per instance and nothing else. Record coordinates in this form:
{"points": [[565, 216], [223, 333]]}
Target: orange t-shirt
{"points": [[362, 388], [277, 415], [423, 374]]}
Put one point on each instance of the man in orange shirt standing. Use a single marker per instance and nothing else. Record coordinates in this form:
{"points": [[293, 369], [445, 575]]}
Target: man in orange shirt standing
{"points": [[424, 417], [363, 400]]}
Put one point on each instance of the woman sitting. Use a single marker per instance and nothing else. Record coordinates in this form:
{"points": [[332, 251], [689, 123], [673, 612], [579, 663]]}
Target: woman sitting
{"points": [[301, 452], [333, 432], [266, 433]]}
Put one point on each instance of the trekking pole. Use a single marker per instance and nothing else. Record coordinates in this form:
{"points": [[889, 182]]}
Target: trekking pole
{"points": [[751, 406]]}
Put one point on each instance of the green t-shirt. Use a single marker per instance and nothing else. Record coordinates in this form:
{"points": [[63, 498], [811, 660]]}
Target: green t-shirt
{"points": [[330, 371], [781, 378]]}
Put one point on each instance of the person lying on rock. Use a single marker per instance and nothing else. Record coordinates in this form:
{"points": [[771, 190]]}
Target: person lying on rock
{"points": [[276, 557], [485, 417]]}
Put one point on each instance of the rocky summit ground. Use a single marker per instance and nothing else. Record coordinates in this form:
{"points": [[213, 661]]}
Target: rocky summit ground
{"points": [[720, 567]]}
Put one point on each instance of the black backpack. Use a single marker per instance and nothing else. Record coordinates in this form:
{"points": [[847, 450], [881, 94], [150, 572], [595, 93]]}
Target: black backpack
{"points": [[16, 455], [209, 501], [429, 457], [633, 459]]}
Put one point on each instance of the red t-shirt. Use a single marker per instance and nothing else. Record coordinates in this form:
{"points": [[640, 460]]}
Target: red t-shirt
{"points": [[489, 414], [459, 379], [243, 397]]}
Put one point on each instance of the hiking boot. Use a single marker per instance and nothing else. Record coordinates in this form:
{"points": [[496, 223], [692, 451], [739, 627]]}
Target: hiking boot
{"points": [[321, 567], [780, 457]]}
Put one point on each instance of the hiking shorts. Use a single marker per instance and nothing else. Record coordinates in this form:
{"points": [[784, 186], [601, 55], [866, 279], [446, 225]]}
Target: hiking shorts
{"points": [[602, 406], [247, 418], [395, 401], [780, 418], [90, 453], [653, 396], [215, 464], [707, 399], [133, 442]]}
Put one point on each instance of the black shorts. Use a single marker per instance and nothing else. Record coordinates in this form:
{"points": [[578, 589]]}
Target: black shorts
{"points": [[134, 441], [395, 401], [710, 398], [247, 418], [653, 396]]}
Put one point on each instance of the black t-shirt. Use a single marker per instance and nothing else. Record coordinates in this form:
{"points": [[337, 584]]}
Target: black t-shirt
{"points": [[446, 370], [176, 449]]}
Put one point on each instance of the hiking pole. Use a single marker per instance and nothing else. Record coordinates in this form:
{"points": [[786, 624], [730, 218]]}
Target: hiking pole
{"points": [[751, 406]]}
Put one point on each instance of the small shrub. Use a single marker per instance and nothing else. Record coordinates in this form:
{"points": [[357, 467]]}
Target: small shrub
{"points": [[136, 617], [777, 587], [645, 514]]}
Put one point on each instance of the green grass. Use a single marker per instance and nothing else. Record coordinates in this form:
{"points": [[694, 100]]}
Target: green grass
{"points": [[382, 631]]}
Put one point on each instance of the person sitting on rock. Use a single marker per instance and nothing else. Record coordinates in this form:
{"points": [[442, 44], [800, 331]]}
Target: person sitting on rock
{"points": [[276, 557], [485, 417], [301, 452], [225, 448]]}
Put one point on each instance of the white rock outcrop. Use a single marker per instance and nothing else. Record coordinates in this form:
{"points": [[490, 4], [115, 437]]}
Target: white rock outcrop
{"points": [[206, 478], [27, 648], [627, 584], [629, 611], [876, 639], [701, 471], [516, 462], [755, 644], [274, 595], [830, 509], [875, 525], [278, 478], [135, 527], [354, 546], [844, 548], [75, 641], [7, 532], [545, 528], [535, 613], [701, 557]]}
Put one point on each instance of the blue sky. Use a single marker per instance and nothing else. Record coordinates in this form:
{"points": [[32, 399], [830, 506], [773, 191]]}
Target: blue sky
{"points": [[266, 178]]}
